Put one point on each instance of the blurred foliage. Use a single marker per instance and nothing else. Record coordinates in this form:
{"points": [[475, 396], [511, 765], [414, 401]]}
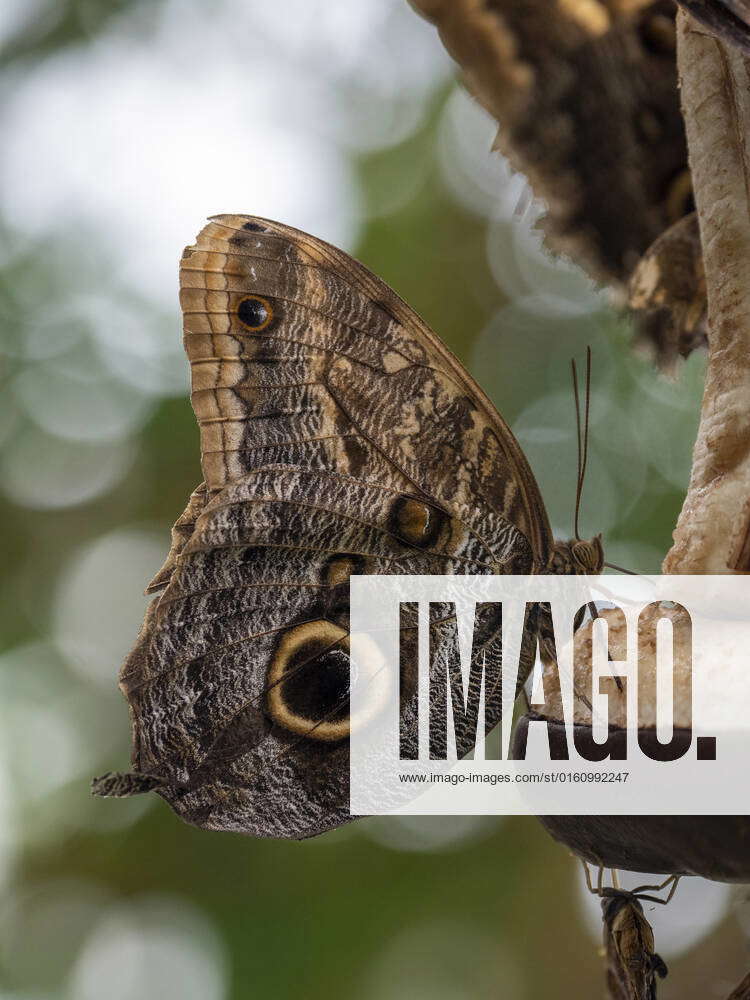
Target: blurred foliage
{"points": [[382, 908]]}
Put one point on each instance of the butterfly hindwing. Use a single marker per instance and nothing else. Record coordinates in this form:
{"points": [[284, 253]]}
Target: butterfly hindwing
{"points": [[268, 567]]}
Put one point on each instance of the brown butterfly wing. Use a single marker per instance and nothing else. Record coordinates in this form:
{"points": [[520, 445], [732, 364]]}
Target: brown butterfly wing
{"points": [[340, 369], [338, 436], [587, 99]]}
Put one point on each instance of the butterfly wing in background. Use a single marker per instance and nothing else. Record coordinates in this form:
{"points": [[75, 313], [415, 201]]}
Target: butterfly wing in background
{"points": [[338, 436], [585, 92], [586, 95]]}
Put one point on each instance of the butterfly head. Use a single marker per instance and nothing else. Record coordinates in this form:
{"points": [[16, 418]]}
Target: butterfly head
{"points": [[578, 557]]}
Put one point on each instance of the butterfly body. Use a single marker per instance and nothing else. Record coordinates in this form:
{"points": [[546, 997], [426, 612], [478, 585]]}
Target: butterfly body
{"points": [[338, 436]]}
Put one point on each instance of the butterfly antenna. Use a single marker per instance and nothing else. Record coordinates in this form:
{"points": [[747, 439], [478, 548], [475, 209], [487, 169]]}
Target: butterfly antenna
{"points": [[620, 569], [582, 433], [574, 374], [585, 455]]}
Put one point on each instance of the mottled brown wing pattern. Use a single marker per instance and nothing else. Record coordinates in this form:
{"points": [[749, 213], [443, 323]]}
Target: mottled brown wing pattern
{"points": [[181, 532], [338, 436], [269, 563], [586, 95], [336, 369], [668, 293]]}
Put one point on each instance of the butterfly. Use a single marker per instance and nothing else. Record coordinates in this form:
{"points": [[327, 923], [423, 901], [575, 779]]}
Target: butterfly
{"points": [[338, 436]]}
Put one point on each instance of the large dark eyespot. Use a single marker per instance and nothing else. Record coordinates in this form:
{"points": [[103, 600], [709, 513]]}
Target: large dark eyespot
{"points": [[310, 677], [255, 312], [308, 682], [318, 690]]}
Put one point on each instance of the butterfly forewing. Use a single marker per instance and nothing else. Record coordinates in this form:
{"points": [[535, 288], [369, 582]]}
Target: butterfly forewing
{"points": [[369, 372]]}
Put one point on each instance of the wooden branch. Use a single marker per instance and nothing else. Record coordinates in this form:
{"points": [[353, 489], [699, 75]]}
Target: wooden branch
{"points": [[713, 530]]}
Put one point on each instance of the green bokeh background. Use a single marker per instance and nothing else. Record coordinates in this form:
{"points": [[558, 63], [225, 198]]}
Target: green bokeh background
{"points": [[431, 908]]}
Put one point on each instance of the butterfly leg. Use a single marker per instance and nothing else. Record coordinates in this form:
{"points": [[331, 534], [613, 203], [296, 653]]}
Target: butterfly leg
{"points": [[599, 888], [587, 876], [672, 881]]}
